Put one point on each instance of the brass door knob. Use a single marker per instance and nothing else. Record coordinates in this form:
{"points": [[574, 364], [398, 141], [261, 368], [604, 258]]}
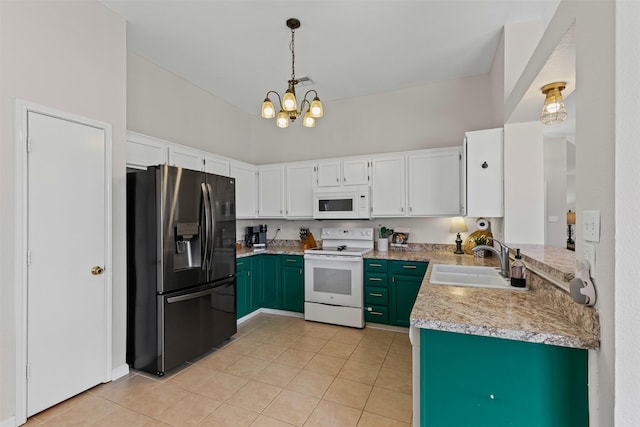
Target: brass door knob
{"points": [[96, 270]]}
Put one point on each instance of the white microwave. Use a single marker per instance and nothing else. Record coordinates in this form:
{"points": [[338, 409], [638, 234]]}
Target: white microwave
{"points": [[352, 202]]}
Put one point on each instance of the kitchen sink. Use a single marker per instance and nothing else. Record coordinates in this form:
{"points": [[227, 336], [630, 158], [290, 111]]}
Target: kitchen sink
{"points": [[470, 275]]}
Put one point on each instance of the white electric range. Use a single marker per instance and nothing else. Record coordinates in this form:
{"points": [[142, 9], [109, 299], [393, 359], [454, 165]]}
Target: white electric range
{"points": [[333, 276]]}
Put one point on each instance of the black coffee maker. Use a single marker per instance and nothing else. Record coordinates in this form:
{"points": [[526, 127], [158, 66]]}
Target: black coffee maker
{"points": [[256, 235]]}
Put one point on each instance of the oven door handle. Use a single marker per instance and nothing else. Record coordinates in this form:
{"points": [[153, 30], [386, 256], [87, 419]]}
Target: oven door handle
{"points": [[333, 258]]}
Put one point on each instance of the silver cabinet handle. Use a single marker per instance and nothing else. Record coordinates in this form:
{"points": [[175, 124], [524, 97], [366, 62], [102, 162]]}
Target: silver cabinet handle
{"points": [[375, 265], [376, 313], [375, 294], [413, 267], [290, 260], [375, 279]]}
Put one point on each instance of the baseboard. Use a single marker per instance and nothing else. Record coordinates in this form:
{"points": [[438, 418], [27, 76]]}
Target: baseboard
{"points": [[281, 312], [118, 372], [387, 327], [9, 422], [253, 314]]}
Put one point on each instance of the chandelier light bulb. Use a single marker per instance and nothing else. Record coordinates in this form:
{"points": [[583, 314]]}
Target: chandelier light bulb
{"points": [[289, 102], [282, 121], [268, 112], [309, 121], [316, 108]]}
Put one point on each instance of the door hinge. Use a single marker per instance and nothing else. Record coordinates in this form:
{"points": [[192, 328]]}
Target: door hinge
{"points": [[28, 258], [28, 144]]}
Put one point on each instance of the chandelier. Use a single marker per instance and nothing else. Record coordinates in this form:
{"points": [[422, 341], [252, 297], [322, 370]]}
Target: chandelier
{"points": [[288, 104], [553, 110]]}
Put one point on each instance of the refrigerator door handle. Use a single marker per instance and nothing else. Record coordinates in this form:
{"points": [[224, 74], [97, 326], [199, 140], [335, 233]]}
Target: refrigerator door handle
{"points": [[205, 227], [187, 297], [212, 229]]}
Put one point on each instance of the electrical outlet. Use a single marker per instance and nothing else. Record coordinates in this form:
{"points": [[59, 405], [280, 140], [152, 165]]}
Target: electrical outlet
{"points": [[589, 252], [279, 227]]}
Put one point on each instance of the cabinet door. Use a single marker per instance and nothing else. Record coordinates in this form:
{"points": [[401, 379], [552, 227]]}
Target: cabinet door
{"points": [[243, 284], [355, 172], [329, 173], [388, 187], [246, 189], [216, 165], [271, 191], [485, 173], [404, 290], [470, 380], [187, 158], [434, 183], [270, 277], [300, 184], [143, 151], [293, 288]]}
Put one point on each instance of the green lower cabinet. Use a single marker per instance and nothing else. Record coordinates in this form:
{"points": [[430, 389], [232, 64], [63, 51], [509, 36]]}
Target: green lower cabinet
{"points": [[270, 277], [469, 380], [402, 296], [292, 286], [243, 287]]}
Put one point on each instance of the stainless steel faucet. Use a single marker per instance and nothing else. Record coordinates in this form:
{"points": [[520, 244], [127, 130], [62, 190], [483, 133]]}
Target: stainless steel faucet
{"points": [[503, 256]]}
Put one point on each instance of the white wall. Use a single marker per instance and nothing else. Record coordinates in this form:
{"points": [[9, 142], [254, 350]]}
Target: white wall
{"points": [[555, 176], [68, 55], [166, 106], [520, 41], [627, 269], [430, 116], [523, 183]]}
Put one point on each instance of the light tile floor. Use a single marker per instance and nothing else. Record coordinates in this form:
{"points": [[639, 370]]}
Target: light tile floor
{"points": [[277, 371]]}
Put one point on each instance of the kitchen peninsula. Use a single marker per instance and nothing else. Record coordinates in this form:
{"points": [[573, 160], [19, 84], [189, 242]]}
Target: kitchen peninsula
{"points": [[503, 356]]}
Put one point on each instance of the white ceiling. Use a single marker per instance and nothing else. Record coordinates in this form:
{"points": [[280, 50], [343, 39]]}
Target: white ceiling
{"points": [[238, 50]]}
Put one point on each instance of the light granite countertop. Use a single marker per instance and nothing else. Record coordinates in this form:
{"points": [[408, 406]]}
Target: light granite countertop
{"points": [[543, 314], [530, 315]]}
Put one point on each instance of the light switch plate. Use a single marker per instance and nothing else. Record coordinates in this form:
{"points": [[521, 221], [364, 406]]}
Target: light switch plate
{"points": [[591, 226], [589, 251], [552, 218]]}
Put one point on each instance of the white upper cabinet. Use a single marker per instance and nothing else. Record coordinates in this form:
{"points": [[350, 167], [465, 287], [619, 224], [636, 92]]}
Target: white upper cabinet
{"points": [[185, 157], [333, 173], [246, 189], [300, 183], [434, 182], [143, 151], [329, 173], [271, 191], [484, 173], [388, 197], [355, 172], [217, 165]]}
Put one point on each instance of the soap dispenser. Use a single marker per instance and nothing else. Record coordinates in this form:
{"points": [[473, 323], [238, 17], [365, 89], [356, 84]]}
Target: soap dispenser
{"points": [[518, 272]]}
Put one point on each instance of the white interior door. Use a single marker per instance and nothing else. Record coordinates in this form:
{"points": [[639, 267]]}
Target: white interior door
{"points": [[66, 302]]}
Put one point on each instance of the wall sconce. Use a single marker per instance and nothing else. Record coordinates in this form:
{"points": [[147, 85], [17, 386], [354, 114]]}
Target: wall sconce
{"points": [[571, 220], [458, 225], [553, 110]]}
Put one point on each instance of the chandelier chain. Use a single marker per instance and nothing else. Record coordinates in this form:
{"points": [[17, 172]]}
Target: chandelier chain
{"points": [[293, 55]]}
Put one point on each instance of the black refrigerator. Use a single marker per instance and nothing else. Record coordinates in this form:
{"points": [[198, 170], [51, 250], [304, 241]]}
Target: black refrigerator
{"points": [[181, 289]]}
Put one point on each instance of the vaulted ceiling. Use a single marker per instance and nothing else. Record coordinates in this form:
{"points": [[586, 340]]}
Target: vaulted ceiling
{"points": [[238, 50]]}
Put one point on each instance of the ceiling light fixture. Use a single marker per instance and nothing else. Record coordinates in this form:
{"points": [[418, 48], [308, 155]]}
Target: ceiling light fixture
{"points": [[553, 110], [288, 104]]}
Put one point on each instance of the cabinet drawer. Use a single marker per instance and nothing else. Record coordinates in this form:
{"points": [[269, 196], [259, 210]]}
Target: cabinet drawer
{"points": [[291, 260], [375, 265], [376, 296], [375, 279], [376, 314], [412, 268]]}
